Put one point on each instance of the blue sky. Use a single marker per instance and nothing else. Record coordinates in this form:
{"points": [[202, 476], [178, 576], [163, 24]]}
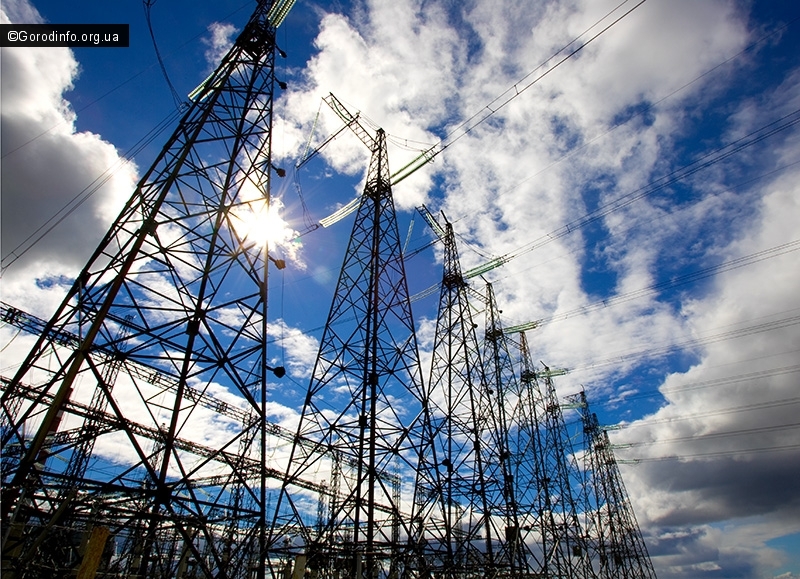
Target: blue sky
{"points": [[645, 191]]}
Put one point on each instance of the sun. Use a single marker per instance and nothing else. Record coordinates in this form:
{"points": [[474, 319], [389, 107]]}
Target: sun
{"points": [[259, 223]]}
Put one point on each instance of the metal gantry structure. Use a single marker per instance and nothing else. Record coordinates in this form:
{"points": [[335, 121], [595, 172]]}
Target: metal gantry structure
{"points": [[465, 473], [455, 485], [363, 411]]}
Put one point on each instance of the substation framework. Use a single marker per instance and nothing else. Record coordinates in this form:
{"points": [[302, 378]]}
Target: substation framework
{"points": [[468, 473]]}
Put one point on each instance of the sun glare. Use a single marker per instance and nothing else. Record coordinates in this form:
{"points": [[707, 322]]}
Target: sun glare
{"points": [[261, 225]]}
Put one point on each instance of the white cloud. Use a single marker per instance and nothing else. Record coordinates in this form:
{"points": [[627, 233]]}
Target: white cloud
{"points": [[299, 349], [47, 166], [222, 35]]}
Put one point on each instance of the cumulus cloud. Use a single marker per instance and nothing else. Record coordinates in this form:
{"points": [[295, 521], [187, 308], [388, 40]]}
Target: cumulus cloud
{"points": [[221, 39], [54, 177], [299, 349]]}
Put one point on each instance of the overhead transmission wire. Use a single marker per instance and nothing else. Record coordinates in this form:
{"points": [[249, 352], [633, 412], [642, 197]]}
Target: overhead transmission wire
{"points": [[493, 107], [690, 277], [738, 145], [85, 194], [630, 224], [107, 93], [707, 160], [502, 260], [180, 104], [709, 435], [603, 211], [712, 383], [698, 438], [701, 341], [512, 93], [715, 454], [642, 111], [730, 410]]}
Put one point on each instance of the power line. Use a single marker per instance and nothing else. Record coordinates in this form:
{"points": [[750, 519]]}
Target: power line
{"points": [[664, 350], [493, 107], [719, 412], [672, 282], [114, 89], [724, 381], [85, 194], [641, 112], [738, 452], [707, 160], [711, 435], [467, 126], [148, 7]]}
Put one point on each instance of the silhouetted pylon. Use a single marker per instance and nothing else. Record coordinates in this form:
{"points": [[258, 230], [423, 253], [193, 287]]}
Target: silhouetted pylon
{"points": [[452, 487], [363, 413], [512, 552], [171, 307], [552, 501], [614, 538]]}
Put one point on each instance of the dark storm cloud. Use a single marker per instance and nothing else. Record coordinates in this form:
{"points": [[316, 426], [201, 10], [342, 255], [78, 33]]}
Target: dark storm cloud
{"points": [[730, 487]]}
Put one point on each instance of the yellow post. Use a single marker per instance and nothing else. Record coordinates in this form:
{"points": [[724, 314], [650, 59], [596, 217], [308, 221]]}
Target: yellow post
{"points": [[93, 554]]}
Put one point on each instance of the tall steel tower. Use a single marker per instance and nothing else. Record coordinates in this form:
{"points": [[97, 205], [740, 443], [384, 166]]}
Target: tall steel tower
{"points": [[543, 451], [453, 494], [615, 540], [362, 419], [501, 396], [134, 432]]}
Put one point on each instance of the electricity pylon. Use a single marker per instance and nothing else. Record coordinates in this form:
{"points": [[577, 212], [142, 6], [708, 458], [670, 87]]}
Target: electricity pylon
{"points": [[362, 416], [171, 307], [452, 491], [615, 540], [544, 452], [501, 395]]}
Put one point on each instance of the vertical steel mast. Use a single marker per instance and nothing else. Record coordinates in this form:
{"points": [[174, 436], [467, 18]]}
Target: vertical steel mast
{"points": [[548, 480], [170, 308], [501, 397], [615, 541], [452, 494], [360, 422]]}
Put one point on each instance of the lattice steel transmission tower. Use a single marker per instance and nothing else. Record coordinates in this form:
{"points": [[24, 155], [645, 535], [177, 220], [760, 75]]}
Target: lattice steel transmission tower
{"points": [[453, 494], [362, 418], [614, 537], [501, 397], [544, 452], [170, 308]]}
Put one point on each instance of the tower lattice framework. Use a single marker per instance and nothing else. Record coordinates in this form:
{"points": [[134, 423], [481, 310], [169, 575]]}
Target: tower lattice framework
{"points": [[615, 540], [553, 503], [453, 482], [362, 419], [134, 433], [513, 554]]}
